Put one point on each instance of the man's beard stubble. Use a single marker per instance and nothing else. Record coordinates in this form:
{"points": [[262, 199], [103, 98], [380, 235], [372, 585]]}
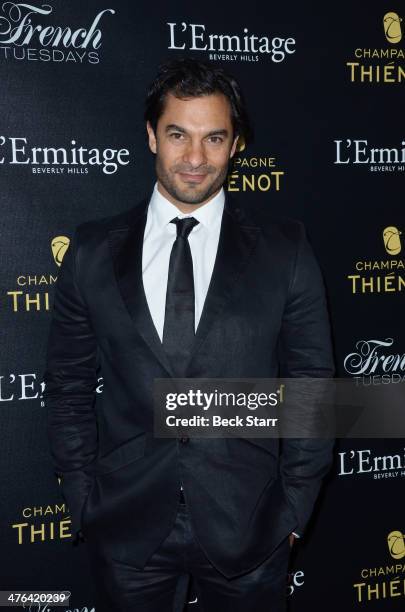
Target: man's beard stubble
{"points": [[196, 196]]}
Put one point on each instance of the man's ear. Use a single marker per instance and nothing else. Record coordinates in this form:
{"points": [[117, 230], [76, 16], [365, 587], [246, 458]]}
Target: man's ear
{"points": [[234, 146], [151, 137]]}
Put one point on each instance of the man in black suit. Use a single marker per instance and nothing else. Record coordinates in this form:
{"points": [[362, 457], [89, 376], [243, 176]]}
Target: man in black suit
{"points": [[186, 283]]}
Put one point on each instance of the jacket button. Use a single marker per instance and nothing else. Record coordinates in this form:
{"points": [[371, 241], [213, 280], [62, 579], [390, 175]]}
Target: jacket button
{"points": [[184, 440]]}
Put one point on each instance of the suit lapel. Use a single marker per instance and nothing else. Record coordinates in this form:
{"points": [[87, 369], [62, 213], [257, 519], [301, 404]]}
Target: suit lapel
{"points": [[236, 243], [126, 247]]}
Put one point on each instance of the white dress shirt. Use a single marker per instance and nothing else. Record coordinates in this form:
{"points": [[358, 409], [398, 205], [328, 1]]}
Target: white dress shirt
{"points": [[159, 237]]}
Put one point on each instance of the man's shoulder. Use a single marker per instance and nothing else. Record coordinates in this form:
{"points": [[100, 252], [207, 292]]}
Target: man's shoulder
{"points": [[98, 228]]}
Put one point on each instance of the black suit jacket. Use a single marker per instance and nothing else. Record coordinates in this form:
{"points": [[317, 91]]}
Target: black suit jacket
{"points": [[264, 315]]}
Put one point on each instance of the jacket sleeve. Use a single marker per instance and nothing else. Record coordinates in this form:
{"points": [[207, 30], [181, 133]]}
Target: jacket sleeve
{"points": [[70, 382], [305, 351]]}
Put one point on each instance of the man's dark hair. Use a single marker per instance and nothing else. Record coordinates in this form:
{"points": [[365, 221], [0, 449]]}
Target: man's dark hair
{"points": [[189, 78]]}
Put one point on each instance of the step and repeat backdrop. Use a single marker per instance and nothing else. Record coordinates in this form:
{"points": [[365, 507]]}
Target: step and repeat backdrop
{"points": [[324, 84]]}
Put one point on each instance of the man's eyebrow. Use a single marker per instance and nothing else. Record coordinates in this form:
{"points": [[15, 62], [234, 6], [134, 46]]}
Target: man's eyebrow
{"points": [[222, 132], [219, 132], [173, 126]]}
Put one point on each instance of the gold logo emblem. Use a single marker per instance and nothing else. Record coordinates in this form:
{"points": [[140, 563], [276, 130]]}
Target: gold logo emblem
{"points": [[241, 144], [392, 27], [392, 240], [59, 246], [396, 544]]}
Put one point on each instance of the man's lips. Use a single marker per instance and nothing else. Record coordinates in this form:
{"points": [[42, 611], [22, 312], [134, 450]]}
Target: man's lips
{"points": [[192, 178]]}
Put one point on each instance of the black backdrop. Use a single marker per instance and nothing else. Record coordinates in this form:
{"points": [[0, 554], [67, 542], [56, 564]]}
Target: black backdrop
{"points": [[337, 94]]}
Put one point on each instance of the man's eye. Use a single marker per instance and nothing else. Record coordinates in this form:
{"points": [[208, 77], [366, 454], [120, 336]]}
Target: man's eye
{"points": [[215, 139], [176, 135]]}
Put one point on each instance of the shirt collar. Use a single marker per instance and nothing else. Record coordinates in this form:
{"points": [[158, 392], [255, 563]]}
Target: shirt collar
{"points": [[164, 211]]}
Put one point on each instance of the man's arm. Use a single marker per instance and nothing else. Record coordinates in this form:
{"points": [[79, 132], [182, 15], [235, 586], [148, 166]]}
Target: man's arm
{"points": [[305, 351], [71, 379]]}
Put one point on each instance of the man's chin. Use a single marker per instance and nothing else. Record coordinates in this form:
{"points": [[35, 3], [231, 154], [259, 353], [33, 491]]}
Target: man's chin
{"points": [[184, 199], [192, 195]]}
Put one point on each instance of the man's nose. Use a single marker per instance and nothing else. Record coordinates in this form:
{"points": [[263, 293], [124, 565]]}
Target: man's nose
{"points": [[195, 154]]}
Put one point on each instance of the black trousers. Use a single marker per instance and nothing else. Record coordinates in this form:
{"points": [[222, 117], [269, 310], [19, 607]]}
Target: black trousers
{"points": [[160, 586]]}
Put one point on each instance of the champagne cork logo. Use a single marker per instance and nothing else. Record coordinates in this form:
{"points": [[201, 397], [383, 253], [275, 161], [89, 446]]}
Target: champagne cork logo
{"points": [[392, 27], [396, 544], [59, 245], [392, 240]]}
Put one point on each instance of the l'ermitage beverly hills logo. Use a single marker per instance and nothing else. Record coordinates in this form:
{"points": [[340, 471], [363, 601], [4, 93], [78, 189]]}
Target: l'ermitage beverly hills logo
{"points": [[381, 275], [387, 581], [243, 46], [364, 462], [28, 33], [382, 64], [359, 153], [374, 363], [32, 290], [71, 159], [28, 387]]}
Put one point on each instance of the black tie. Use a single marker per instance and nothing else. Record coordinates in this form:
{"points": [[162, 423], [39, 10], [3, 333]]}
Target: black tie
{"points": [[179, 325]]}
